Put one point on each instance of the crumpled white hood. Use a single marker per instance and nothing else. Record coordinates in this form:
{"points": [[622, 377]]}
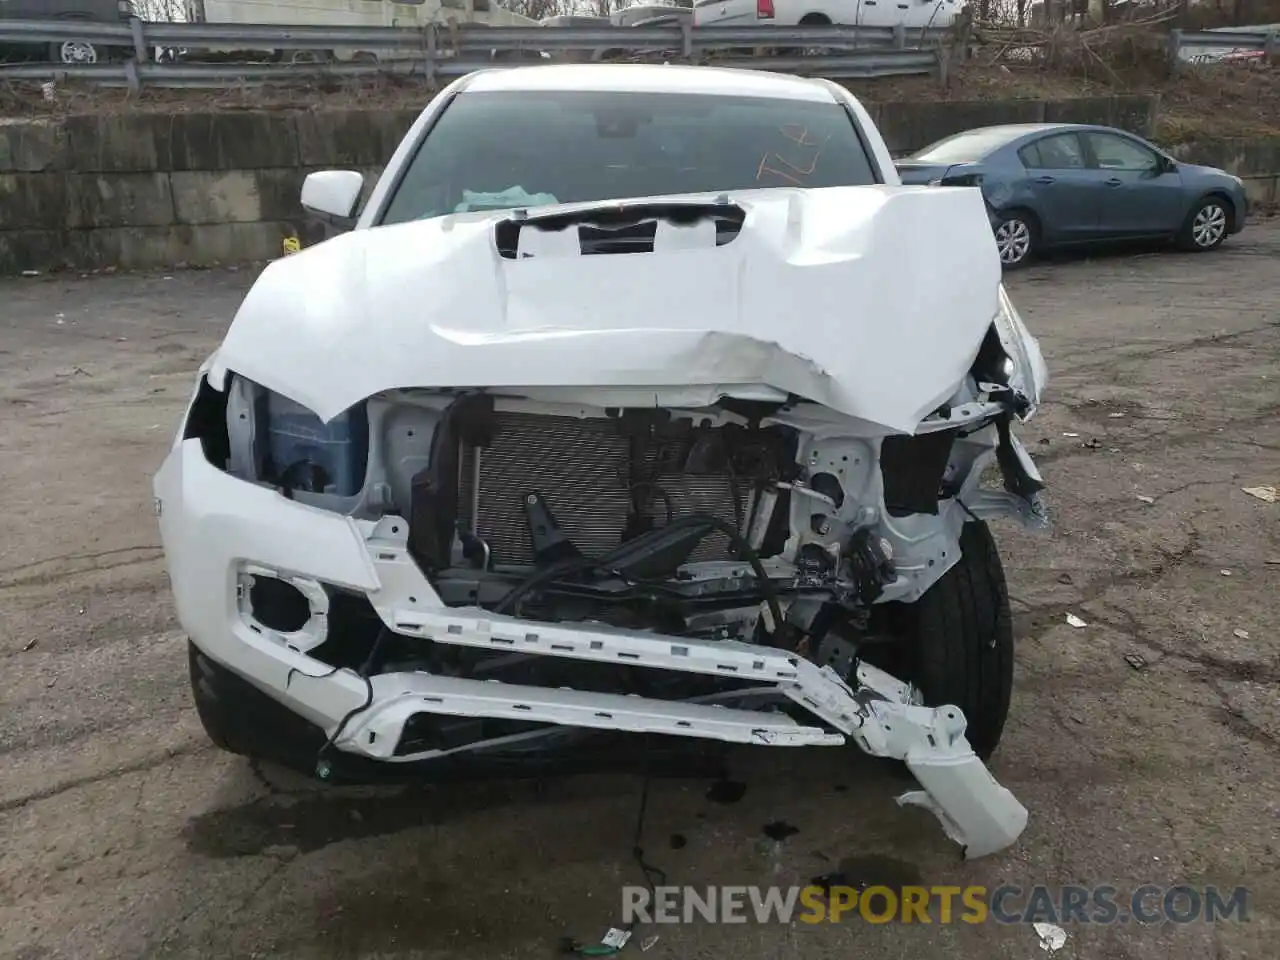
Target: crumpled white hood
{"points": [[870, 300]]}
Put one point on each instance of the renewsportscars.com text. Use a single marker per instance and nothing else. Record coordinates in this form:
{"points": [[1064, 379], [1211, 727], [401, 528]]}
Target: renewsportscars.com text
{"points": [[1149, 904]]}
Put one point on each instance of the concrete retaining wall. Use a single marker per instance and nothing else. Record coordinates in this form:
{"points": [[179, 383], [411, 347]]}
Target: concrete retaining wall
{"points": [[143, 189], [909, 126], [1256, 162], [139, 190]]}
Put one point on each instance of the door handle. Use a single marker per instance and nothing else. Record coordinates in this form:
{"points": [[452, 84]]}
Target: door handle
{"points": [[1113, 182], [1044, 179]]}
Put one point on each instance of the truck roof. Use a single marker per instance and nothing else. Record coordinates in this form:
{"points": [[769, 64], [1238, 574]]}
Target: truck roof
{"points": [[651, 78]]}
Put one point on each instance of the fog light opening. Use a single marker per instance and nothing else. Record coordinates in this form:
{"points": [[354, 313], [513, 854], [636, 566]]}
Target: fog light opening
{"points": [[292, 610], [278, 605]]}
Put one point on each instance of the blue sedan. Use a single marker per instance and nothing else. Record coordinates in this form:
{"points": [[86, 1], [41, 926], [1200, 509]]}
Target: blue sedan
{"points": [[1060, 184]]}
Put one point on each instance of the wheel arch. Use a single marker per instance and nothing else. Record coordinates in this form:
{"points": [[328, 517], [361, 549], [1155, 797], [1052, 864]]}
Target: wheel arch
{"points": [[1228, 204], [1028, 213]]}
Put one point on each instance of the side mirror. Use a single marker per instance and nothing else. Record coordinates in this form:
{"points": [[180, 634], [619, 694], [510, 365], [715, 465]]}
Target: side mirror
{"points": [[331, 195]]}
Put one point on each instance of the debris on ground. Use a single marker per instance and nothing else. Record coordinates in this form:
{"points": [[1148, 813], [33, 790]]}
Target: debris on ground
{"points": [[1225, 573], [1075, 621], [647, 943], [30, 644], [1265, 494], [1052, 937], [1240, 634], [1135, 660], [1146, 499], [1115, 416], [616, 938]]}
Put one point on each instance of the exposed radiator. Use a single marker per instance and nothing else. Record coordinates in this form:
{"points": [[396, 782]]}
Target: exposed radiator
{"points": [[582, 470]]}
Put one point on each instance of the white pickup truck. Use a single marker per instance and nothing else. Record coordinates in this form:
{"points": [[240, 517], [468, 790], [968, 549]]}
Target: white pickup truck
{"points": [[639, 400], [916, 14]]}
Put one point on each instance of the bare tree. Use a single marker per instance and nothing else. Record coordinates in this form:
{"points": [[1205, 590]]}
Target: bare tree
{"points": [[162, 11], [538, 9]]}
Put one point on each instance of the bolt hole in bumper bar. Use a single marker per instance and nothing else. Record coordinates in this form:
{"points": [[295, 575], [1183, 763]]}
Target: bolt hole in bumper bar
{"points": [[215, 528]]}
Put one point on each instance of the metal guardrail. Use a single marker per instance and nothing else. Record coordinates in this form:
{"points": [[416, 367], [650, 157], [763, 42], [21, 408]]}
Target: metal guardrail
{"points": [[1184, 43], [445, 51], [864, 65]]}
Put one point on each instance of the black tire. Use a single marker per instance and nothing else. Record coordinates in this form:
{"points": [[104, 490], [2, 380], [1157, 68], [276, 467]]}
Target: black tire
{"points": [[1206, 225], [210, 705], [1017, 238], [958, 639]]}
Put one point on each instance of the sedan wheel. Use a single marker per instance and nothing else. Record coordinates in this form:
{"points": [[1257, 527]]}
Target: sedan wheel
{"points": [[1208, 225], [1014, 240], [76, 51]]}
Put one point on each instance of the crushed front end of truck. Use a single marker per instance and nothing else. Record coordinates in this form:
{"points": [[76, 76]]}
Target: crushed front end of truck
{"points": [[477, 490]]}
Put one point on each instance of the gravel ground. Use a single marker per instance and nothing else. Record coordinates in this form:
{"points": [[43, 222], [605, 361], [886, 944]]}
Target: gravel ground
{"points": [[124, 834]]}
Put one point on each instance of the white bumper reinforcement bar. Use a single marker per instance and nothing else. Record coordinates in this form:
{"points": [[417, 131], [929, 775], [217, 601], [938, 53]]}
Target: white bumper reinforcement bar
{"points": [[879, 713]]}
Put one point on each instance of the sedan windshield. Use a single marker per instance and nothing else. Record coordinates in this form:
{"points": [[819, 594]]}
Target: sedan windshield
{"points": [[503, 149]]}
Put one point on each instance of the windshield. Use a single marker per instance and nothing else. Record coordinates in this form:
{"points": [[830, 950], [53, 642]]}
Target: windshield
{"points": [[963, 147], [503, 149]]}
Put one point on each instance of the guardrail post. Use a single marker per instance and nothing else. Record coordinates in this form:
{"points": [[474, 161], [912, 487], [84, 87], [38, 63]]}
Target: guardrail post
{"points": [[1175, 46], [944, 65], [1269, 46], [431, 49], [131, 76], [899, 36], [686, 40], [139, 41]]}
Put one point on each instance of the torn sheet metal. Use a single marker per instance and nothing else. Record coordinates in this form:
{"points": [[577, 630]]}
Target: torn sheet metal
{"points": [[829, 294]]}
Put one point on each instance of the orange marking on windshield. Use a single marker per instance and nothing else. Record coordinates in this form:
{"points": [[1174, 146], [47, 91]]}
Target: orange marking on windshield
{"points": [[797, 169], [799, 134]]}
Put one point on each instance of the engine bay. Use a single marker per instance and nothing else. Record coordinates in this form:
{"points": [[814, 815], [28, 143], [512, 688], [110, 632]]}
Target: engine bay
{"points": [[772, 522], [682, 522], [644, 519]]}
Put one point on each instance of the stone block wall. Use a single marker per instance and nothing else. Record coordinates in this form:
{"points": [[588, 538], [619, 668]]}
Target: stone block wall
{"points": [[144, 189], [164, 190]]}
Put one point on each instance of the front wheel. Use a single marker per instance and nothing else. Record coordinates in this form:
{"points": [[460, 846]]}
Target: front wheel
{"points": [[1206, 226], [1016, 239], [957, 639], [211, 706]]}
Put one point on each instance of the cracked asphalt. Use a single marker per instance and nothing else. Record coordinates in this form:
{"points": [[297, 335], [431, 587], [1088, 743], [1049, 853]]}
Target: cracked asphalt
{"points": [[1144, 744]]}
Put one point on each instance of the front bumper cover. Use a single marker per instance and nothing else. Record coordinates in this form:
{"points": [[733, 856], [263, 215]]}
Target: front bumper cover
{"points": [[216, 528]]}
